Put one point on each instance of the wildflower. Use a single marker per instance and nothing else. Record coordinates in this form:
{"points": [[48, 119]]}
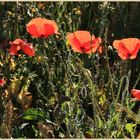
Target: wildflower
{"points": [[41, 27], [19, 44], [127, 47], [2, 82], [39, 59], [77, 11], [136, 93], [12, 64], [84, 42]]}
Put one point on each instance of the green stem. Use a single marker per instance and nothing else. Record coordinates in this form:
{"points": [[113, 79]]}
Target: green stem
{"points": [[138, 79], [119, 91], [108, 66]]}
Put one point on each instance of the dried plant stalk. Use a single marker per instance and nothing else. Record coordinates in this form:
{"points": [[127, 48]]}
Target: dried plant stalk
{"points": [[46, 130], [7, 122]]}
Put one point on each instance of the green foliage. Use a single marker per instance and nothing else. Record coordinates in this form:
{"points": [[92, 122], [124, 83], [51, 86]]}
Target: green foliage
{"points": [[33, 114], [130, 128]]}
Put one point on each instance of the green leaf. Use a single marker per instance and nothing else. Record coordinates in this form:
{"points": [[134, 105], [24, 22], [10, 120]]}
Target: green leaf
{"points": [[100, 122], [102, 99], [34, 114], [130, 127]]}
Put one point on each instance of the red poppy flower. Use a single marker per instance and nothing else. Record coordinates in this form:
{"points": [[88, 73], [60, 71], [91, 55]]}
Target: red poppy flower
{"points": [[127, 47], [2, 82], [19, 44], [136, 93], [84, 42], [41, 27]]}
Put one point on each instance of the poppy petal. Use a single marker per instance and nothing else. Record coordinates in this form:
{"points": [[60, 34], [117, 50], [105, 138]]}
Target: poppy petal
{"points": [[136, 93], [74, 43], [122, 55], [121, 47], [93, 45], [49, 30], [135, 51], [96, 45], [28, 49], [130, 43], [19, 44], [13, 50], [41, 27], [83, 36], [33, 30], [84, 42], [127, 47], [123, 52], [17, 41], [53, 24], [92, 37], [100, 50]]}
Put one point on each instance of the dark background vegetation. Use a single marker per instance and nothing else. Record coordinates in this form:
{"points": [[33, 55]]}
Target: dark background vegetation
{"points": [[62, 94]]}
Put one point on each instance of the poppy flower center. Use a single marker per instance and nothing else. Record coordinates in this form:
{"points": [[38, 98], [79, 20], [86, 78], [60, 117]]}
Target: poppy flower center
{"points": [[43, 36], [83, 49], [129, 55]]}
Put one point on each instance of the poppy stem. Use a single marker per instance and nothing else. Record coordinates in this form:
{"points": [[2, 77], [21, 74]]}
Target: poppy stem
{"points": [[127, 68], [138, 79], [42, 46], [108, 66], [119, 91], [123, 98]]}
